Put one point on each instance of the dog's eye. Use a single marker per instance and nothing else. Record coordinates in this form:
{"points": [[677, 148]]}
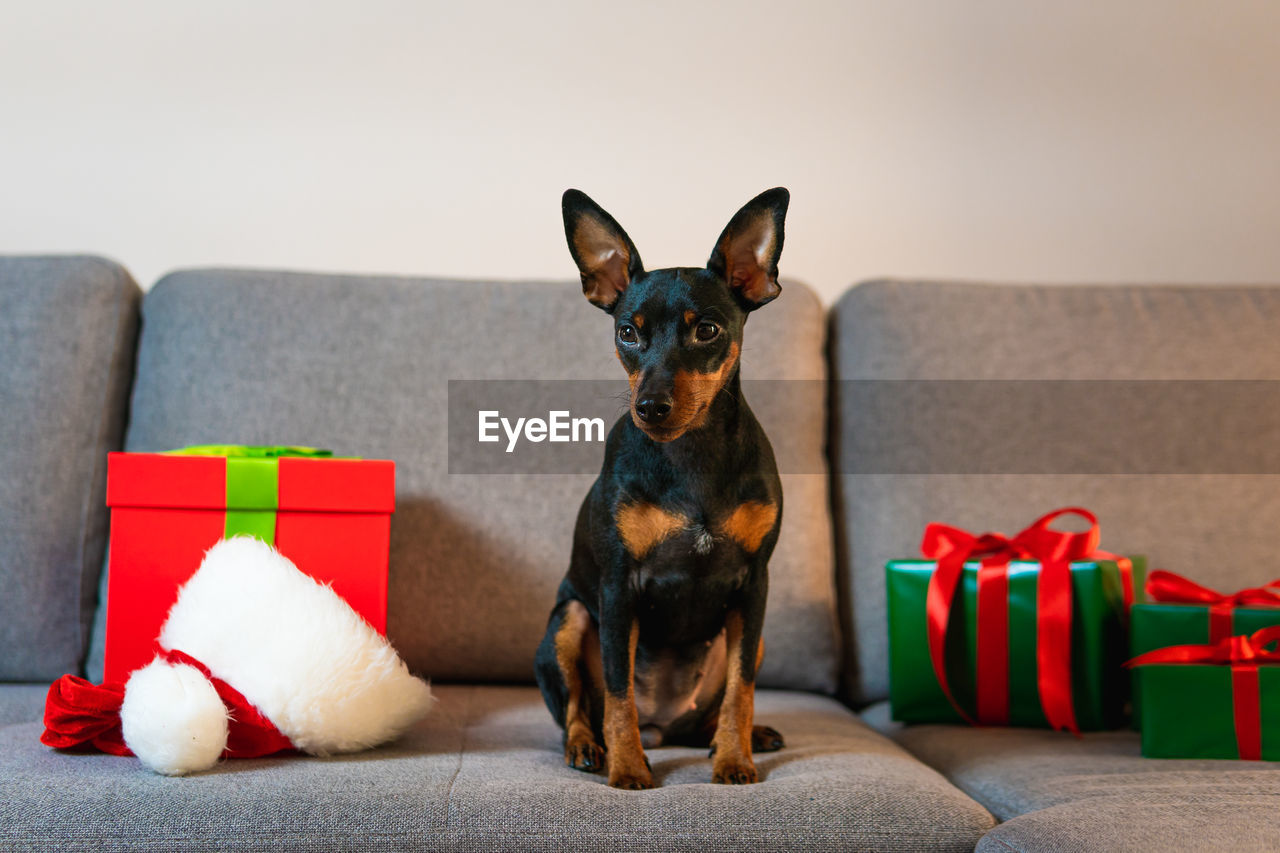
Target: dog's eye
{"points": [[706, 331], [627, 333]]}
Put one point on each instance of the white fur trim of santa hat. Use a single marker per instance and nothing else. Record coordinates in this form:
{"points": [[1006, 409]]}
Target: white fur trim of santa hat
{"points": [[299, 653]]}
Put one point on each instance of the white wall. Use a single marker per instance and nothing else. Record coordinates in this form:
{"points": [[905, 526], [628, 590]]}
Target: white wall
{"points": [[1090, 140]]}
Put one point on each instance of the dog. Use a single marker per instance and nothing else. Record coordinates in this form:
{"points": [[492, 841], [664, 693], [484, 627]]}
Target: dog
{"points": [[655, 636]]}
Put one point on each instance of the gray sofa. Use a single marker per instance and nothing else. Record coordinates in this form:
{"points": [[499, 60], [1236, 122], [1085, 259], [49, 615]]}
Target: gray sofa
{"points": [[361, 365]]}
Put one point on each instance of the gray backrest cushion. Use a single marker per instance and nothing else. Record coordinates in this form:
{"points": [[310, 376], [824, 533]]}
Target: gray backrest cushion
{"points": [[67, 332], [1218, 529], [361, 365]]}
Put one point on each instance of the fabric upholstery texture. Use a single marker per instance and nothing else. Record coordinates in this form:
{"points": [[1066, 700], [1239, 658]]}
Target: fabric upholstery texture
{"points": [[67, 332], [1015, 771], [1057, 792], [22, 703], [1241, 822], [1217, 528], [484, 772], [361, 365]]}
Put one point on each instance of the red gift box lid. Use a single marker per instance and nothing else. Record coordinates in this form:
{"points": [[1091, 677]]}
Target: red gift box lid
{"points": [[200, 482]]}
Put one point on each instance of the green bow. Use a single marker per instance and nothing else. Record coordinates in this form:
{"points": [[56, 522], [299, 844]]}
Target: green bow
{"points": [[248, 451], [252, 484]]}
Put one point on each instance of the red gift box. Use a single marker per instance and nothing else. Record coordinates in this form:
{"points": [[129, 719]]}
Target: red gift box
{"points": [[331, 517]]}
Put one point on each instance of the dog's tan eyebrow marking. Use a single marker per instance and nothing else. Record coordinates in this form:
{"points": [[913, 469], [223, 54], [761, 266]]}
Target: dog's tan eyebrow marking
{"points": [[638, 319], [689, 317], [643, 525], [750, 523]]}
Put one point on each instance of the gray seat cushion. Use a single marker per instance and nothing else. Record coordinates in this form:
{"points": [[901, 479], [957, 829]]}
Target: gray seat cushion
{"points": [[1241, 822], [67, 332], [918, 330], [1057, 792], [361, 365], [484, 772], [22, 703]]}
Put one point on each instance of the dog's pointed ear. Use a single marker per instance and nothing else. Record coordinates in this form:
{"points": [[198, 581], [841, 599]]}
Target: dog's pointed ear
{"points": [[607, 259], [746, 255]]}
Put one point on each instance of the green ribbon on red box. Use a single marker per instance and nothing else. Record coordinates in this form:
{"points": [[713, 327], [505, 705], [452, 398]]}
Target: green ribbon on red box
{"points": [[952, 547], [253, 484], [1170, 588], [1244, 653]]}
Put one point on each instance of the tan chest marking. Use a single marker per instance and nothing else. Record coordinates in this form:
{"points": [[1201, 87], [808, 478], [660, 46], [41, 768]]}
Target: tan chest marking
{"points": [[749, 524], [643, 525]]}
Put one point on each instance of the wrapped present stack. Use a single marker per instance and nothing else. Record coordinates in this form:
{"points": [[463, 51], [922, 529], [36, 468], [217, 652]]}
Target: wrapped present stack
{"points": [[1038, 630], [1202, 671], [329, 516]]}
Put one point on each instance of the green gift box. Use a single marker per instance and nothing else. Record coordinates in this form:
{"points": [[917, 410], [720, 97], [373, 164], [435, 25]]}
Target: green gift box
{"points": [[1181, 612], [1098, 685], [1211, 700]]}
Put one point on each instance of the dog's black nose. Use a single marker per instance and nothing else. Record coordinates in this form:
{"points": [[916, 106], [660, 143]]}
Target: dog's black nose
{"points": [[654, 410]]}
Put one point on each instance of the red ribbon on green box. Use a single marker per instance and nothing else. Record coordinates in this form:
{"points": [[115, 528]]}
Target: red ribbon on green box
{"points": [[252, 484], [952, 547], [1244, 653], [1169, 588]]}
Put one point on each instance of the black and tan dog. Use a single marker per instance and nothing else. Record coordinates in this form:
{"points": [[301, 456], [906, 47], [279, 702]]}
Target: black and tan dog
{"points": [[656, 632]]}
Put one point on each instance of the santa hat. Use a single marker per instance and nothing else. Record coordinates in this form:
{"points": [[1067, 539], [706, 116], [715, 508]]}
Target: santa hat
{"points": [[255, 657]]}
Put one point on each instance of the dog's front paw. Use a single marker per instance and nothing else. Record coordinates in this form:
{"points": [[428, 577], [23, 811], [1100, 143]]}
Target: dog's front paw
{"points": [[729, 771], [631, 775], [632, 781]]}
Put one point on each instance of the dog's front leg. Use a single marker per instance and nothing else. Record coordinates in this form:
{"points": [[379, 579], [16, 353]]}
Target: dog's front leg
{"points": [[624, 754], [731, 748]]}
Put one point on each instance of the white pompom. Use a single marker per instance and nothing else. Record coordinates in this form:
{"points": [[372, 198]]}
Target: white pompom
{"points": [[172, 719]]}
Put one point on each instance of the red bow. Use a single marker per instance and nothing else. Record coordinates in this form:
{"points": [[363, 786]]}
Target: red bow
{"points": [[1169, 588], [77, 713], [1242, 649], [952, 547], [1244, 653]]}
